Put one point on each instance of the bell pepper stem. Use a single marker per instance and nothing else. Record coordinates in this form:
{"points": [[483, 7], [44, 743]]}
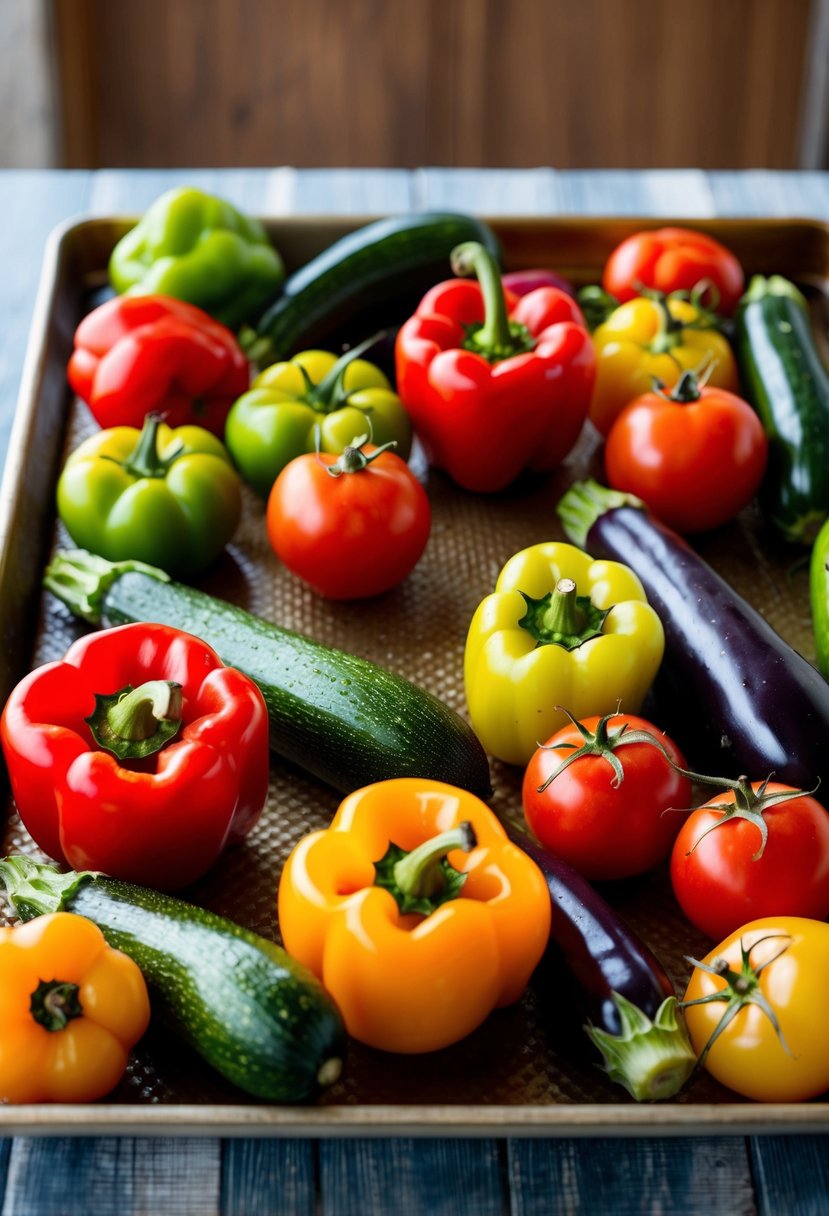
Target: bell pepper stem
{"points": [[144, 460], [562, 617], [652, 1059], [55, 1003], [497, 338], [419, 874], [134, 723], [330, 386]]}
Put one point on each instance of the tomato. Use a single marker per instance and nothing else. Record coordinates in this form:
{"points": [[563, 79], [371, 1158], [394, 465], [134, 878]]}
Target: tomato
{"points": [[350, 526], [604, 827], [674, 259], [724, 873], [781, 963], [696, 456]]}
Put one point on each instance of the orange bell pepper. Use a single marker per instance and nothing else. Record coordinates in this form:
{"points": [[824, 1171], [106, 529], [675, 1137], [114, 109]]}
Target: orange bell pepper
{"points": [[71, 1007], [416, 912]]}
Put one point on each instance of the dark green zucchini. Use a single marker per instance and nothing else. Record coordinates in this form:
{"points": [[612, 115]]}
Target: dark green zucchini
{"points": [[253, 1013], [347, 721], [396, 259], [787, 384]]}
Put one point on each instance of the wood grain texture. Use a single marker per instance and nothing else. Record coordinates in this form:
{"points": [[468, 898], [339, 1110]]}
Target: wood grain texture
{"points": [[261, 1177], [409, 1178], [629, 1178], [78, 1177], [513, 83], [791, 1176]]}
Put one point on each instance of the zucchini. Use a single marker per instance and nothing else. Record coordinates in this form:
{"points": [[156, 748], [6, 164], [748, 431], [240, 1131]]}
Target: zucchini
{"points": [[251, 1011], [788, 385], [340, 717], [395, 258]]}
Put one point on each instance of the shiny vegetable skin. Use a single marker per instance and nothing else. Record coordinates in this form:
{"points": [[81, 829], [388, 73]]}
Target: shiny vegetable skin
{"points": [[340, 717], [601, 953], [253, 1013], [374, 266], [819, 595], [738, 696], [788, 385]]}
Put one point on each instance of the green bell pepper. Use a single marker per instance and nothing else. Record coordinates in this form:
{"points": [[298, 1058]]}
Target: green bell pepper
{"points": [[314, 395], [195, 247], [167, 497]]}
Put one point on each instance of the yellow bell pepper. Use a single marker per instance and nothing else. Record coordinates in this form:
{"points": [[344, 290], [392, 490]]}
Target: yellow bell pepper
{"points": [[560, 630], [416, 912], [647, 339]]}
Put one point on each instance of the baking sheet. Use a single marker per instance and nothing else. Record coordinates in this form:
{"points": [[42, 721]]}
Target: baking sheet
{"points": [[514, 1075]]}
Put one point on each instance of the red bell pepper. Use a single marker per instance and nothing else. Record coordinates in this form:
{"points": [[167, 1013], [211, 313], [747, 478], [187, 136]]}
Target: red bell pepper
{"points": [[136, 355], [138, 754], [494, 384]]}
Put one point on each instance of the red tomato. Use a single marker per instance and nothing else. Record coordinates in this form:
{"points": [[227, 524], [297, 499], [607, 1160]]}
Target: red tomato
{"points": [[606, 830], [351, 535], [695, 463], [721, 884], [674, 259]]}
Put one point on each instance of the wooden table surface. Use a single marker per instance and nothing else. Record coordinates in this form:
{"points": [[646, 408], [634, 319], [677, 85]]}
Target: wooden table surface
{"points": [[341, 1177]]}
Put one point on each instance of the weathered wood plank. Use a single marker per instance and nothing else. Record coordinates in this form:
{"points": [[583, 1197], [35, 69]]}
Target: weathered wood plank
{"points": [[488, 191], [629, 1177], [260, 1177], [351, 192], [409, 1178], [670, 192], [76, 1177], [791, 1174]]}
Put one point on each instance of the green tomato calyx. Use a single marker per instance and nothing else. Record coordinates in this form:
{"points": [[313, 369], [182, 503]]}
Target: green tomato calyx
{"points": [[354, 460], [601, 742], [748, 804], [741, 988]]}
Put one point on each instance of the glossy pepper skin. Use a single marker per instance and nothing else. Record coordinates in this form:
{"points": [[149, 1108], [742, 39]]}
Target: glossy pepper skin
{"points": [[71, 1007], [646, 339], [162, 820], [277, 420], [560, 630], [199, 248], [494, 384], [136, 355], [408, 981], [170, 498]]}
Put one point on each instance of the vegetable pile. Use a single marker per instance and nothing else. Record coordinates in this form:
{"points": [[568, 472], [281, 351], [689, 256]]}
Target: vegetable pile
{"points": [[646, 717]]}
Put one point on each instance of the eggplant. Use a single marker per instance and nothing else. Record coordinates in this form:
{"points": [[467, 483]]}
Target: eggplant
{"points": [[738, 698], [614, 981]]}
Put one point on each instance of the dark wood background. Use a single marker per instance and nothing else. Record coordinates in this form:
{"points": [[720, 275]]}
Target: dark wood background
{"points": [[399, 83]]}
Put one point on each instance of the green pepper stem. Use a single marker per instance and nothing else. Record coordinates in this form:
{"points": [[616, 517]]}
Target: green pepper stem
{"points": [[667, 335], [55, 1003], [144, 460], [329, 388], [418, 874], [137, 715], [563, 614], [562, 617], [498, 337]]}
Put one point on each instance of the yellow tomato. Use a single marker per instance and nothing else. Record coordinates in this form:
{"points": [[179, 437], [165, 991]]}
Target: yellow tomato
{"points": [[778, 973]]}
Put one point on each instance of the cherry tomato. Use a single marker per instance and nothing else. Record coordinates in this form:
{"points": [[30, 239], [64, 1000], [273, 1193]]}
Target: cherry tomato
{"points": [[724, 874], [674, 259], [352, 533], [606, 828], [696, 456], [785, 962]]}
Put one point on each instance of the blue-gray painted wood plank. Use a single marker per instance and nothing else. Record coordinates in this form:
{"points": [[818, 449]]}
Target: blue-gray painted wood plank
{"points": [[351, 192], [5, 1152], [487, 191], [791, 1175], [762, 192], [629, 1177], [261, 1177], [411, 1178], [108, 1175], [669, 192]]}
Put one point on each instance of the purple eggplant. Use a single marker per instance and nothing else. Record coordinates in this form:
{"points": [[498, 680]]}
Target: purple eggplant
{"points": [[522, 282], [614, 981], [737, 698]]}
